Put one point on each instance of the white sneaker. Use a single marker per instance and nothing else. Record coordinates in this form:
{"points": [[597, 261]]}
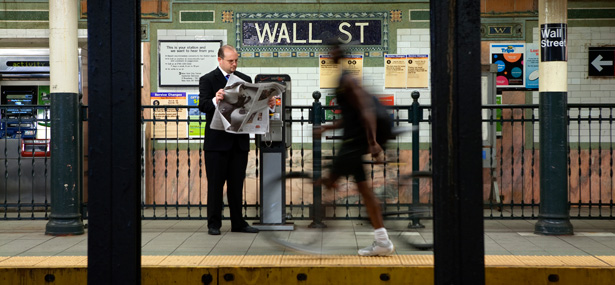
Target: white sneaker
{"points": [[378, 249]]}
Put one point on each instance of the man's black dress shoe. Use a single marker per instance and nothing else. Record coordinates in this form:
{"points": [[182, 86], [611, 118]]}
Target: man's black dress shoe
{"points": [[246, 229], [214, 232]]}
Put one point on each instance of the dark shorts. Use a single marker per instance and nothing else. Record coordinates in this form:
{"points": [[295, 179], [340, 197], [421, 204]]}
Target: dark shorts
{"points": [[349, 162]]}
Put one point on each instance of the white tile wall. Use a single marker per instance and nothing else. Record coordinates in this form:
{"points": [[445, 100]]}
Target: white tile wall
{"points": [[34, 33]]}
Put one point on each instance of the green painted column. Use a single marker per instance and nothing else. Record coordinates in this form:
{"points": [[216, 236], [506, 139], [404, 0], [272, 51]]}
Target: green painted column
{"points": [[65, 217], [554, 216]]}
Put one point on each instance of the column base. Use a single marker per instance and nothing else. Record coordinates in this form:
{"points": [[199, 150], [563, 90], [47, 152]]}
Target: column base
{"points": [[61, 227], [551, 226]]}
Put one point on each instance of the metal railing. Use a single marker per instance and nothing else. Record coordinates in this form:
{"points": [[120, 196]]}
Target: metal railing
{"points": [[174, 184]]}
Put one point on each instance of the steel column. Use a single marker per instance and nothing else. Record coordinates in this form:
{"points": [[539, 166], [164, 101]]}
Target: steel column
{"points": [[114, 239], [457, 166]]}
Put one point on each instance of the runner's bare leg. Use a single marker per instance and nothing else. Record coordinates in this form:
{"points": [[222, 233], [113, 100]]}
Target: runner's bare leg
{"points": [[372, 204]]}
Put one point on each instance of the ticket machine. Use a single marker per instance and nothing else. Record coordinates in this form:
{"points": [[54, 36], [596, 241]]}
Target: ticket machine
{"points": [[273, 147], [25, 125]]}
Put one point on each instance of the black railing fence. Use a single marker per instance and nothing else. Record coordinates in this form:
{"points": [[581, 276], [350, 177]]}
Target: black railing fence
{"points": [[25, 162], [174, 185]]}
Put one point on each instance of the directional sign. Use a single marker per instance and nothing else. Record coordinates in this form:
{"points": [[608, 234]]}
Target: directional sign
{"points": [[601, 61]]}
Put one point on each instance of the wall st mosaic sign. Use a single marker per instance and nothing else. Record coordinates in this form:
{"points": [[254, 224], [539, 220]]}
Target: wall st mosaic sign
{"points": [[307, 34]]}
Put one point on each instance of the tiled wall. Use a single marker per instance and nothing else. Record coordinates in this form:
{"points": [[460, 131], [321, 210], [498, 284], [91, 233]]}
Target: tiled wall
{"points": [[305, 80]]}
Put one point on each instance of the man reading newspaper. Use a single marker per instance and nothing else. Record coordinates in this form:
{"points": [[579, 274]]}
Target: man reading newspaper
{"points": [[245, 107]]}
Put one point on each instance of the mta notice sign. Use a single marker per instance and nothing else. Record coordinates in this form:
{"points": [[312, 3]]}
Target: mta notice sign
{"points": [[601, 61]]}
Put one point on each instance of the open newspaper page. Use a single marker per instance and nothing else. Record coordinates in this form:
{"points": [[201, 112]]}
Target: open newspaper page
{"points": [[245, 109]]}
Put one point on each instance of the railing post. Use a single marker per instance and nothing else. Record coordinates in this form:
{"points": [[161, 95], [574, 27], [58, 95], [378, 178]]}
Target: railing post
{"points": [[317, 119], [416, 118]]}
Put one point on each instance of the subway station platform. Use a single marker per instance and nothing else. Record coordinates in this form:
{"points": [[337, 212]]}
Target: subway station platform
{"points": [[181, 252]]}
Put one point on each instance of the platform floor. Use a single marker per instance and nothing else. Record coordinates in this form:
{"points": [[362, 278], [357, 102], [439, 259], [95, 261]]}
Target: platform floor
{"points": [[190, 238], [510, 245]]}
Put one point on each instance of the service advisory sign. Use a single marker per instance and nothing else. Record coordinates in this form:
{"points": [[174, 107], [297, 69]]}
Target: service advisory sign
{"points": [[395, 71], [418, 71], [329, 72], [511, 67], [167, 118]]}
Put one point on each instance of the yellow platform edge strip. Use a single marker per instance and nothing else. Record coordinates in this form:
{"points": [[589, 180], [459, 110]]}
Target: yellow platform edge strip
{"points": [[310, 260]]}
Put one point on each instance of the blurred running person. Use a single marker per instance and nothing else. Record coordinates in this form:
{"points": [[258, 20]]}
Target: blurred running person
{"points": [[366, 126]]}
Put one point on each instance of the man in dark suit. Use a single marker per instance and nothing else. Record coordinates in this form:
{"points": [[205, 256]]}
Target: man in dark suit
{"points": [[226, 154]]}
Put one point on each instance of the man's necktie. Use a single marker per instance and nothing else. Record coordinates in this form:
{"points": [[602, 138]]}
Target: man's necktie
{"points": [[227, 76]]}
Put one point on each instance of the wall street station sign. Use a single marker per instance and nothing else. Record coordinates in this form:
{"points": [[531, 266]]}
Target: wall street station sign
{"points": [[306, 34]]}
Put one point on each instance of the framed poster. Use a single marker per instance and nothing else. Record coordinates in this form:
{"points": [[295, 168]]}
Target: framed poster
{"points": [[182, 63], [510, 58]]}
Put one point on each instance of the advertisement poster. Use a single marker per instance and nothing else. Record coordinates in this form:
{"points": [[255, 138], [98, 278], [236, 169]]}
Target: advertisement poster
{"points": [[165, 124], [511, 67], [418, 71], [395, 71], [196, 126], [42, 115], [331, 101], [388, 100], [531, 66], [329, 72]]}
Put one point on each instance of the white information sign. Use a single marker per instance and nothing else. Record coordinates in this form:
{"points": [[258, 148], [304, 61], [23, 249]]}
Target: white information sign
{"points": [[182, 63]]}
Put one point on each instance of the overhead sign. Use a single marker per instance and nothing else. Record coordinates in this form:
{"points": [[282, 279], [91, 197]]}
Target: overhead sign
{"points": [[299, 34], [601, 61], [311, 32]]}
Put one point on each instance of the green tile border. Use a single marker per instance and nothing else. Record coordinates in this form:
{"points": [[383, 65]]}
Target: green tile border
{"points": [[24, 16], [591, 14], [191, 16]]}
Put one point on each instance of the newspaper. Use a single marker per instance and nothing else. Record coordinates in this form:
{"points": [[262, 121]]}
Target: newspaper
{"points": [[245, 107]]}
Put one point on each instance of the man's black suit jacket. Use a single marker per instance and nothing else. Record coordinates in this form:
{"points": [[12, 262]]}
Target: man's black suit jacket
{"points": [[218, 140]]}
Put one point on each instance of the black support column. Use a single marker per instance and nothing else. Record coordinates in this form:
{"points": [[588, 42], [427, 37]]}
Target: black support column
{"points": [[114, 238], [457, 167]]}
